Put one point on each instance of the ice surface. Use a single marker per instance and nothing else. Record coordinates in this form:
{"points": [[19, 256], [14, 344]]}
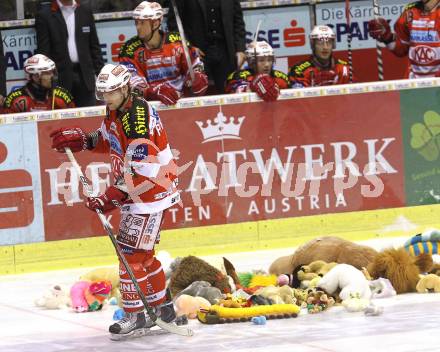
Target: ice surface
{"points": [[410, 322]]}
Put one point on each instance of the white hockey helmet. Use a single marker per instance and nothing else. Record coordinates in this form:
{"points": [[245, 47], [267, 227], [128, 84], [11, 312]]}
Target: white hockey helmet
{"points": [[37, 64], [258, 49], [148, 11], [324, 33], [110, 78]]}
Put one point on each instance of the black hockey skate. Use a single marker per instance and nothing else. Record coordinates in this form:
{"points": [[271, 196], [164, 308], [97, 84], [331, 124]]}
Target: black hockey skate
{"points": [[139, 324]]}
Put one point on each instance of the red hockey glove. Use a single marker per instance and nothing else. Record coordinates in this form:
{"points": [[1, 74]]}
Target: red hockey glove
{"points": [[112, 198], [266, 88], [200, 83], [165, 93], [380, 30], [72, 137]]}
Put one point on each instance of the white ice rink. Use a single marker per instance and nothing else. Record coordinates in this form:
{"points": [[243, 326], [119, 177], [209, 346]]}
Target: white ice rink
{"points": [[410, 322]]}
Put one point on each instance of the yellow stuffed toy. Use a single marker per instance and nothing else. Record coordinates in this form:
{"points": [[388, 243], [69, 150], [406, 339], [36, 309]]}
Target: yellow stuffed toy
{"points": [[428, 283], [278, 295], [105, 274], [308, 274]]}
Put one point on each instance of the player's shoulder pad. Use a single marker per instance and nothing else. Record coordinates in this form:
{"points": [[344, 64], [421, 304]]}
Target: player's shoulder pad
{"points": [[299, 68], [12, 96], [130, 47], [174, 37], [241, 74], [280, 74], [341, 62], [412, 5], [64, 94], [135, 121]]}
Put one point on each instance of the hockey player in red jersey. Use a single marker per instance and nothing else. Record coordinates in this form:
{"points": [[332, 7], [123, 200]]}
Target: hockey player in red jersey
{"points": [[38, 93], [157, 60], [259, 77], [321, 69], [144, 188], [416, 35]]}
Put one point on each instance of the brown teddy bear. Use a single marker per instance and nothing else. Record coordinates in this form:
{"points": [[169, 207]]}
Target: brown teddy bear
{"points": [[192, 269], [318, 300], [315, 270], [435, 269], [400, 267], [328, 249]]}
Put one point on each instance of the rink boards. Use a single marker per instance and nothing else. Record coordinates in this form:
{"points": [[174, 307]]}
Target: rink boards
{"points": [[360, 161]]}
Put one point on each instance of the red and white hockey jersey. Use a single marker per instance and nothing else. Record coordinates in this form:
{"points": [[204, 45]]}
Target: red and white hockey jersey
{"points": [[25, 100], [150, 67], [308, 73], [417, 35], [140, 156]]}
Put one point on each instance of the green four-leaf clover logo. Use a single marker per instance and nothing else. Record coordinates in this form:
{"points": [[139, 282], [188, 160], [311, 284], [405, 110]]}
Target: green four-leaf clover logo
{"points": [[425, 137]]}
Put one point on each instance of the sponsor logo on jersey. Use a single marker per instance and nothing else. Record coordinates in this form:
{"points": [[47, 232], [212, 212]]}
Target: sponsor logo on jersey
{"points": [[423, 54], [161, 60], [114, 128], [141, 120], [155, 61], [125, 123], [61, 93], [302, 67], [160, 74], [424, 36], [174, 37], [12, 96], [423, 24], [280, 74], [130, 66], [115, 145], [130, 48], [244, 74], [140, 152], [126, 251]]}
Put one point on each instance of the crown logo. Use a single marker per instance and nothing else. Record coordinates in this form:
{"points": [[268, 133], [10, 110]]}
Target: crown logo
{"points": [[221, 128]]}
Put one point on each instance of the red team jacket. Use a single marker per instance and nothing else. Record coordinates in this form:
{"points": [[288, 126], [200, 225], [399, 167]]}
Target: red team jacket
{"points": [[308, 74], [417, 35], [240, 81], [22, 100], [150, 67], [140, 155]]}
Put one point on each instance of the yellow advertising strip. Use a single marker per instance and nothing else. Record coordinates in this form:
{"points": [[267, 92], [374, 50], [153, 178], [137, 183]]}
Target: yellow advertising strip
{"points": [[7, 264], [221, 239]]}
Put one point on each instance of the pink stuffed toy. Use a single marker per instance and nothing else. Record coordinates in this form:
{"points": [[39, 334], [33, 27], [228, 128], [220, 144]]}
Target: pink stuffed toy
{"points": [[89, 296], [79, 302]]}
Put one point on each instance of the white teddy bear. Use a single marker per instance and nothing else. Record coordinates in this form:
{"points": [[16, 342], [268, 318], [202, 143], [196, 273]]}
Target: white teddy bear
{"points": [[55, 298], [350, 280]]}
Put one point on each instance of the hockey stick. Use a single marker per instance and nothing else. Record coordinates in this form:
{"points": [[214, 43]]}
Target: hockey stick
{"points": [[255, 45], [159, 322], [378, 48], [184, 43], [349, 37]]}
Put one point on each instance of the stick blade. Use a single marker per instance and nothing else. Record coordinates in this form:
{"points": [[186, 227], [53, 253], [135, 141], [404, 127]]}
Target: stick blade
{"points": [[174, 329]]}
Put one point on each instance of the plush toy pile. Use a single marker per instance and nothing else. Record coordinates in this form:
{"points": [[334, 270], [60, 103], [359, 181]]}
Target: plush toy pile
{"points": [[88, 294], [328, 249], [322, 273]]}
